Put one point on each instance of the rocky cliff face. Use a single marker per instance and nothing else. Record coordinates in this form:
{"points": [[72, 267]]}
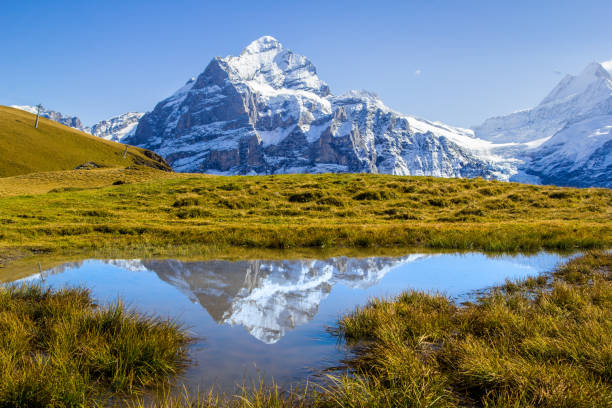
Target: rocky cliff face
{"points": [[266, 111]]}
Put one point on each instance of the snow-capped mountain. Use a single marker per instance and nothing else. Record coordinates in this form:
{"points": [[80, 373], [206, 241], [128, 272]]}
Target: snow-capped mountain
{"points": [[71, 121], [115, 128], [266, 111], [567, 138]]}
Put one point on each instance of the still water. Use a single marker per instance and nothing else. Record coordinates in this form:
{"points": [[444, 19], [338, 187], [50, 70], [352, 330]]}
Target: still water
{"points": [[269, 318]]}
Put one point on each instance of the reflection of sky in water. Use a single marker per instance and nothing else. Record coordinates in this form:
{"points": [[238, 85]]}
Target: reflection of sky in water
{"points": [[270, 316]]}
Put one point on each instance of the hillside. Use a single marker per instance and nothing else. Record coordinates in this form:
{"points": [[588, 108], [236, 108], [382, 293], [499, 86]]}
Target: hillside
{"points": [[53, 146]]}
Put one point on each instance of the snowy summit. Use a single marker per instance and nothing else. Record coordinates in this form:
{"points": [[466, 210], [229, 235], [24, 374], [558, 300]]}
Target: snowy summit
{"points": [[266, 111]]}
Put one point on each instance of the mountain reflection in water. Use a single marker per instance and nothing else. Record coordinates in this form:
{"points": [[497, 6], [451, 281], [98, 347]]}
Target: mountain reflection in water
{"points": [[267, 298], [269, 318]]}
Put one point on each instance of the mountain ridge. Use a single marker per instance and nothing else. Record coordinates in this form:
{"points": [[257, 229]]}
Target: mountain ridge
{"points": [[266, 111], [115, 128], [52, 146]]}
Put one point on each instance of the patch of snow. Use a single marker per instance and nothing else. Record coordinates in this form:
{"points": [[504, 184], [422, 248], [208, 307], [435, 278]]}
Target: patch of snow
{"points": [[607, 66]]}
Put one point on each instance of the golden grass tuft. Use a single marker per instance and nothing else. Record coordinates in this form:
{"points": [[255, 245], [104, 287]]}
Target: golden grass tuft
{"points": [[57, 348], [540, 342]]}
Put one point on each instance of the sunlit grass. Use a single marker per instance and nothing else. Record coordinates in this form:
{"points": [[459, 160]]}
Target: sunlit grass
{"points": [[58, 349], [53, 146], [301, 211], [538, 342]]}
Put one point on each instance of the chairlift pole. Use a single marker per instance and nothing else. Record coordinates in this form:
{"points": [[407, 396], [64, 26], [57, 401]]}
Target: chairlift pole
{"points": [[39, 106]]}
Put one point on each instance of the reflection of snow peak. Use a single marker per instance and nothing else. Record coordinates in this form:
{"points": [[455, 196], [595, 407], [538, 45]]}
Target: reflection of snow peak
{"points": [[270, 297], [290, 293], [267, 298]]}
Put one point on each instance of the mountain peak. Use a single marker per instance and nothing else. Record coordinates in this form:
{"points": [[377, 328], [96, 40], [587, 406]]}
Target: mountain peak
{"points": [[267, 63], [595, 70], [607, 65], [572, 85], [262, 44]]}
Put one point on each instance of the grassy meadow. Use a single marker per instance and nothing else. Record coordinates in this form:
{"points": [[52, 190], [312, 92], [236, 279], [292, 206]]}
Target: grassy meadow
{"points": [[539, 342], [154, 213]]}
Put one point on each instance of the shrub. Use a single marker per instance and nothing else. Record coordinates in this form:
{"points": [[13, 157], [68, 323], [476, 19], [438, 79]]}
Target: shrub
{"points": [[470, 211], [331, 201], [96, 213], [489, 191], [230, 187], [559, 194], [411, 188], [305, 196], [374, 195], [437, 202], [187, 201], [235, 204], [194, 212]]}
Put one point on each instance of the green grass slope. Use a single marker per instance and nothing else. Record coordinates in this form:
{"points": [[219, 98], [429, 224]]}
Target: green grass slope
{"points": [[51, 147]]}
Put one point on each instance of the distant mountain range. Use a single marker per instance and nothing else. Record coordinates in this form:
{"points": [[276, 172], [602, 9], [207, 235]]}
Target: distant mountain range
{"points": [[568, 135], [115, 129], [266, 111]]}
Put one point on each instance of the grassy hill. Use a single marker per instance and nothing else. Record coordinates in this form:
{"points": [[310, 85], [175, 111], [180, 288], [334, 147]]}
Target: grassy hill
{"points": [[51, 147]]}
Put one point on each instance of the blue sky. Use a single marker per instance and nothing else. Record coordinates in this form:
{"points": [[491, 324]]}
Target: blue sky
{"points": [[454, 61]]}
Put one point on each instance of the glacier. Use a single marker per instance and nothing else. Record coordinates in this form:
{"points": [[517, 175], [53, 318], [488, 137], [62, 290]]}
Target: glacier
{"points": [[566, 140]]}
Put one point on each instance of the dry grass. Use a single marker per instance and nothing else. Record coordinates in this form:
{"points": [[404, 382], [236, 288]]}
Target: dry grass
{"points": [[540, 342], [51, 147], [41, 183], [58, 349]]}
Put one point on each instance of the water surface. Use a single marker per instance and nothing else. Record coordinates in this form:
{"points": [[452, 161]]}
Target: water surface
{"points": [[269, 318]]}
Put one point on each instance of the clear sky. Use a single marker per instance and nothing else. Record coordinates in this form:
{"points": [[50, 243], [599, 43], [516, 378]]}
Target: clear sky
{"points": [[454, 61]]}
